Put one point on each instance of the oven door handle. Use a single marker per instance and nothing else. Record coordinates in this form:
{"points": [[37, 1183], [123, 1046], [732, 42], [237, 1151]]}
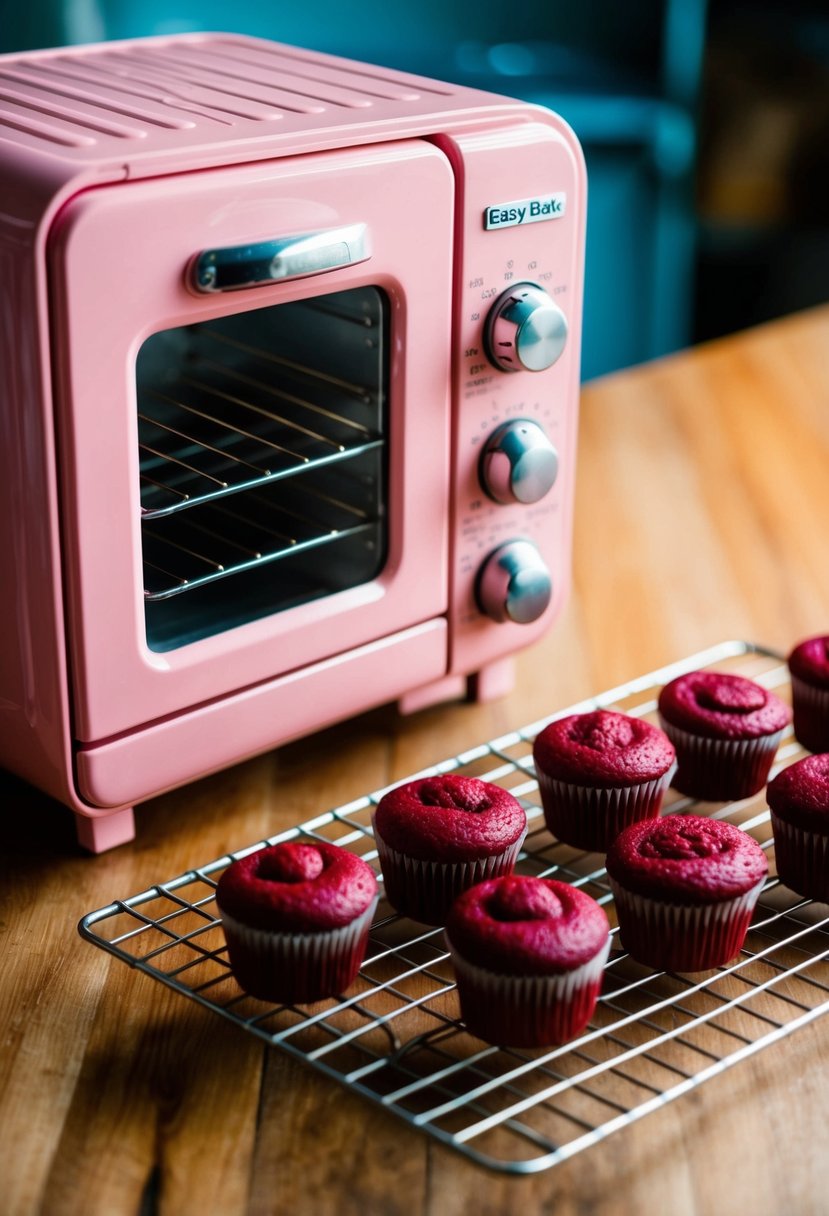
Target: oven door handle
{"points": [[294, 257]]}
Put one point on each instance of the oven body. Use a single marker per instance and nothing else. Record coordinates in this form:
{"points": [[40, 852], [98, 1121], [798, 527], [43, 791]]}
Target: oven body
{"points": [[267, 459]]}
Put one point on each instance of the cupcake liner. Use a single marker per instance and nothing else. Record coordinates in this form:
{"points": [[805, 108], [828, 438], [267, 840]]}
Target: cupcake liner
{"points": [[528, 1010], [425, 890], [683, 937], [296, 968], [802, 859], [720, 770], [810, 708], [591, 818]]}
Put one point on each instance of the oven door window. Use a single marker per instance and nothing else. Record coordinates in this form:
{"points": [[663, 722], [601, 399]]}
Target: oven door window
{"points": [[263, 461]]}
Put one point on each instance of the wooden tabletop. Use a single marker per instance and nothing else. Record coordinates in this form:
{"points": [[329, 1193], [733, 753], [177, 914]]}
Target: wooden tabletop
{"points": [[701, 514]]}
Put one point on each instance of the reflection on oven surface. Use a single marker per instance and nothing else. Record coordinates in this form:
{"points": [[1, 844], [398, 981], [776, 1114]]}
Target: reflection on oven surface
{"points": [[263, 445]]}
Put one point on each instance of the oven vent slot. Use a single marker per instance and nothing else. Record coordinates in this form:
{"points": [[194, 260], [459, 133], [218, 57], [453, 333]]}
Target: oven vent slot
{"points": [[262, 458], [142, 97]]}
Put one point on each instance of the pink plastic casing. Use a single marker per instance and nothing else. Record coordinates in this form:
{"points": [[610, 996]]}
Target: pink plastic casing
{"points": [[109, 187]]}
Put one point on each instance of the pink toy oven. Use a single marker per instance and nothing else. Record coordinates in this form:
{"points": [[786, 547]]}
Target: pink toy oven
{"points": [[290, 378]]}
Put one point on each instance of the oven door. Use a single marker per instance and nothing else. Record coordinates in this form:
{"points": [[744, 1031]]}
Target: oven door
{"points": [[252, 378]]}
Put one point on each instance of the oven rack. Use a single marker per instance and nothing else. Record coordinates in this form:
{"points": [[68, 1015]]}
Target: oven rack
{"points": [[396, 1038], [184, 468], [225, 540], [237, 413]]}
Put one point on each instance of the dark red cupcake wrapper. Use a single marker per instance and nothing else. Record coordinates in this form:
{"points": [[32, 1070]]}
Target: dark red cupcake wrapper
{"points": [[425, 890], [590, 818], [720, 770], [528, 1010], [802, 859], [297, 968], [683, 937], [810, 707]]}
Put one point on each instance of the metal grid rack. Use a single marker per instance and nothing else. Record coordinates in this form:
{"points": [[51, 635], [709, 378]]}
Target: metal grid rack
{"points": [[256, 529], [395, 1036], [219, 412], [222, 440]]}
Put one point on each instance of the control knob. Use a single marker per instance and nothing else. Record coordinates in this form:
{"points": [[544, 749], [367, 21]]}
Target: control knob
{"points": [[525, 330], [514, 584], [518, 462]]}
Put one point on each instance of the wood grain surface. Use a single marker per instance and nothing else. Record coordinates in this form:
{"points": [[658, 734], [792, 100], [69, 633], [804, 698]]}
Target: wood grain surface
{"points": [[702, 514]]}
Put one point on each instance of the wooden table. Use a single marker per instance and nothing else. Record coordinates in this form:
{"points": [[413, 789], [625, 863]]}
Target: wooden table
{"points": [[702, 510]]}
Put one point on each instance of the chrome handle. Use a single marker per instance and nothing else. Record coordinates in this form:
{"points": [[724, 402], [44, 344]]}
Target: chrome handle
{"points": [[293, 257]]}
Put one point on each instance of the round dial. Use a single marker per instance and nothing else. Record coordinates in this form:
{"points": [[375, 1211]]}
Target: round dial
{"points": [[518, 462], [525, 330], [514, 584]]}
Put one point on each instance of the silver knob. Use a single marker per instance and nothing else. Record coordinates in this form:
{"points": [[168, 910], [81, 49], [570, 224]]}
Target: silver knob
{"points": [[514, 584], [518, 462], [525, 330]]}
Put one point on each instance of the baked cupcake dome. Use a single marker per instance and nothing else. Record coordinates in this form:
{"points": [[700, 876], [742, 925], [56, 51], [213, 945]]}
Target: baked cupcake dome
{"points": [[296, 918], [436, 836], [685, 888], [809, 670], [528, 955], [798, 798], [598, 772], [725, 729]]}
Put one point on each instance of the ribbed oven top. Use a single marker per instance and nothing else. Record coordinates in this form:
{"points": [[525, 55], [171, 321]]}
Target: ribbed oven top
{"points": [[156, 95]]}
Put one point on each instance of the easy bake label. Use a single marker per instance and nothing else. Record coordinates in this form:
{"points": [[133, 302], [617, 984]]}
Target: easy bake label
{"points": [[525, 211]]}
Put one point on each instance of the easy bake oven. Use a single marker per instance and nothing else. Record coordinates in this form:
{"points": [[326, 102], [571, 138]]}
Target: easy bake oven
{"points": [[289, 397]]}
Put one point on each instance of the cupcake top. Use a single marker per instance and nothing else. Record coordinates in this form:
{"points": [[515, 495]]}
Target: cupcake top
{"points": [[517, 925], [718, 705], [297, 887], [603, 749], [800, 793], [449, 818], [686, 859], [809, 661]]}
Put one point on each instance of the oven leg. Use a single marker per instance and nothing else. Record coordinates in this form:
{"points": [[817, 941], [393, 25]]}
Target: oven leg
{"points": [[97, 833], [450, 688], [493, 681]]}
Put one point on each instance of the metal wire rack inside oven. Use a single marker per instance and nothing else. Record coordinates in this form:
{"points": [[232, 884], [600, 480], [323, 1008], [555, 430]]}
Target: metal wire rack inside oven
{"points": [[396, 1038], [262, 442]]}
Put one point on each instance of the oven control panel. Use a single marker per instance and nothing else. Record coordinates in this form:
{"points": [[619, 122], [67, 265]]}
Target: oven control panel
{"points": [[516, 370]]}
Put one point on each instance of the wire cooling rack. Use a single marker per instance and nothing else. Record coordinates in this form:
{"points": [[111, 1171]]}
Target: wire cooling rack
{"points": [[395, 1036]]}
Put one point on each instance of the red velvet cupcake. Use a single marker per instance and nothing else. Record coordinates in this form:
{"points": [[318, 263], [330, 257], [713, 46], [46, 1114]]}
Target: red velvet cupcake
{"points": [[597, 772], [799, 801], [528, 955], [296, 918], [725, 729], [436, 836], [685, 888], [809, 669]]}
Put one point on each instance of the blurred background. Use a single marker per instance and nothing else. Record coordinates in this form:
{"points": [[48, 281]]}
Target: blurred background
{"points": [[705, 125]]}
